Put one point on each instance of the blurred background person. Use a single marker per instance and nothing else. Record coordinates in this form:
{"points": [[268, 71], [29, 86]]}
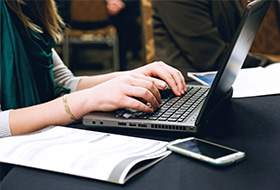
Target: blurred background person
{"points": [[193, 35], [124, 16]]}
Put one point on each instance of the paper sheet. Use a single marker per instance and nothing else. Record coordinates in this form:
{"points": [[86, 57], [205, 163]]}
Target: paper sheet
{"points": [[250, 82], [257, 82]]}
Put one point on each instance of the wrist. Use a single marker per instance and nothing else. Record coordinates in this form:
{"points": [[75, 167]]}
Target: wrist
{"points": [[76, 105], [67, 109]]}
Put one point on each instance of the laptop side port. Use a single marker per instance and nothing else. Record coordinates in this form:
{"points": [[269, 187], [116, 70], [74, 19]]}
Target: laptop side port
{"points": [[142, 125], [122, 123]]}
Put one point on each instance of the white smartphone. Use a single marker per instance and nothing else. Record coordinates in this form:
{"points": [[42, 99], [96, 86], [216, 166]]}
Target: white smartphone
{"points": [[206, 151]]}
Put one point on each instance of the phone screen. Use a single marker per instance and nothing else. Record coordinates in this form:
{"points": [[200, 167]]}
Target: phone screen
{"points": [[204, 148]]}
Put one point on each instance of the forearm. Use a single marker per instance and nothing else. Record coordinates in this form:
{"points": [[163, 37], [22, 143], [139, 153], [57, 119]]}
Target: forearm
{"points": [[64, 77], [30, 119], [91, 81]]}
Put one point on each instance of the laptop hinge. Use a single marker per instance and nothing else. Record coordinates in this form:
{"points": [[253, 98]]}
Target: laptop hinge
{"points": [[216, 114]]}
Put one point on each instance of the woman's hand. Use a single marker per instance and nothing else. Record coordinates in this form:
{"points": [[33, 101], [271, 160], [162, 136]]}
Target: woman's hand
{"points": [[135, 88], [115, 6], [170, 75], [127, 91]]}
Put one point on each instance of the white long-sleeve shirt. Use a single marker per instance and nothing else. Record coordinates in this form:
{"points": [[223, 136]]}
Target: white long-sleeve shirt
{"points": [[62, 77]]}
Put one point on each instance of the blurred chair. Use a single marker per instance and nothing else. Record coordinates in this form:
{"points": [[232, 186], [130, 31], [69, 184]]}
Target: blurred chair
{"points": [[89, 24], [147, 30]]}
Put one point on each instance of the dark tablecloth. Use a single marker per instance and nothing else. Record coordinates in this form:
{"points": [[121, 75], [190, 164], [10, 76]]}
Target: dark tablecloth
{"points": [[250, 124]]}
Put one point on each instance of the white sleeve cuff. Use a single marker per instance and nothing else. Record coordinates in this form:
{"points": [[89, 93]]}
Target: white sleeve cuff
{"points": [[5, 124], [73, 83]]}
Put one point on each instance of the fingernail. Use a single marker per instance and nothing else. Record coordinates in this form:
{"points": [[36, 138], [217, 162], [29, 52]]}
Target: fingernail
{"points": [[162, 84]]}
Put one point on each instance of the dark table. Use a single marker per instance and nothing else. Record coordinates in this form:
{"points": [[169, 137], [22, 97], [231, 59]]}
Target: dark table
{"points": [[250, 124]]}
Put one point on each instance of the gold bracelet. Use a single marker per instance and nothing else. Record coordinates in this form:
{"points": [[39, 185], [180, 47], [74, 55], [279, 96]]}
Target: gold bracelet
{"points": [[71, 116]]}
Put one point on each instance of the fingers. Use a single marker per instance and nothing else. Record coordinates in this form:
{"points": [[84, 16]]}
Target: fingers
{"points": [[159, 83], [145, 89], [179, 81], [154, 82], [172, 76], [136, 104]]}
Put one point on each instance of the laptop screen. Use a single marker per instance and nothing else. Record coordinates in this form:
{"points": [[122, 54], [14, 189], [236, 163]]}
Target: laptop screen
{"points": [[235, 55]]}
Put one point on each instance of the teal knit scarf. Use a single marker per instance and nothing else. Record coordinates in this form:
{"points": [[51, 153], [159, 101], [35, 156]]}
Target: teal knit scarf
{"points": [[26, 63]]}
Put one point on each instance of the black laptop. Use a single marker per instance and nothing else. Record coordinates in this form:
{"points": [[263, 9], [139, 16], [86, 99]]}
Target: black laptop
{"points": [[193, 110]]}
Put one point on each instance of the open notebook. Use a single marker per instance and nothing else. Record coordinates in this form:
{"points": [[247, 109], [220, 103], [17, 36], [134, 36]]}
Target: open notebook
{"points": [[103, 156]]}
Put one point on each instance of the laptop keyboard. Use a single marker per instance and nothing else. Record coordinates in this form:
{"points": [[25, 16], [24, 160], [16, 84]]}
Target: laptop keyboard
{"points": [[173, 108]]}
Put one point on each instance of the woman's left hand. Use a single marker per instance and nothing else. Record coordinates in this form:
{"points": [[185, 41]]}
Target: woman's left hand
{"points": [[164, 74]]}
